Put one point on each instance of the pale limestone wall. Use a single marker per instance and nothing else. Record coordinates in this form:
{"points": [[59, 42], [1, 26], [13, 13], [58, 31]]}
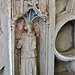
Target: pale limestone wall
{"points": [[4, 38]]}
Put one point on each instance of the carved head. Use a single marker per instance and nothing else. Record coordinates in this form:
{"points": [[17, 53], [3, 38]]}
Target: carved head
{"points": [[29, 28], [20, 24]]}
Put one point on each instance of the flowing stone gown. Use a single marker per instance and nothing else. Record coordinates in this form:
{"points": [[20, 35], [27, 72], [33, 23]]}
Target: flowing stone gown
{"points": [[28, 54]]}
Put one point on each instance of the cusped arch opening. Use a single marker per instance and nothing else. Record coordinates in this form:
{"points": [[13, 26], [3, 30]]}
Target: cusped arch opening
{"points": [[65, 40]]}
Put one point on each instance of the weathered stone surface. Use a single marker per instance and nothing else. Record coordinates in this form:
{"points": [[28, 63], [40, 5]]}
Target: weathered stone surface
{"points": [[64, 68], [65, 46], [4, 6], [42, 4], [73, 8], [4, 36], [72, 67], [60, 5], [69, 53], [64, 73], [17, 8], [64, 38]]}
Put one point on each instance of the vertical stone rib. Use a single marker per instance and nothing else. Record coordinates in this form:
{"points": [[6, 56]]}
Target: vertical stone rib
{"points": [[22, 5]]}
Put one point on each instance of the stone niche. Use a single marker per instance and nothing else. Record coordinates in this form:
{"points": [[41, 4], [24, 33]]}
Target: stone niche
{"points": [[65, 46], [65, 40], [38, 25]]}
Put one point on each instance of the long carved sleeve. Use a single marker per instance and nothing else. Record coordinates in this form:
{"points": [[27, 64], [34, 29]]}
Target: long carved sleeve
{"points": [[19, 44]]}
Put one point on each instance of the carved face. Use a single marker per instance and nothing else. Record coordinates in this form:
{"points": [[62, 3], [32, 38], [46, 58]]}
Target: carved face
{"points": [[29, 28], [20, 24]]}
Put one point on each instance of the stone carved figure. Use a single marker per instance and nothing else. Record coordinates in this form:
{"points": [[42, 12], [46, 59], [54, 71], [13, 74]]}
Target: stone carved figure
{"points": [[27, 44]]}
